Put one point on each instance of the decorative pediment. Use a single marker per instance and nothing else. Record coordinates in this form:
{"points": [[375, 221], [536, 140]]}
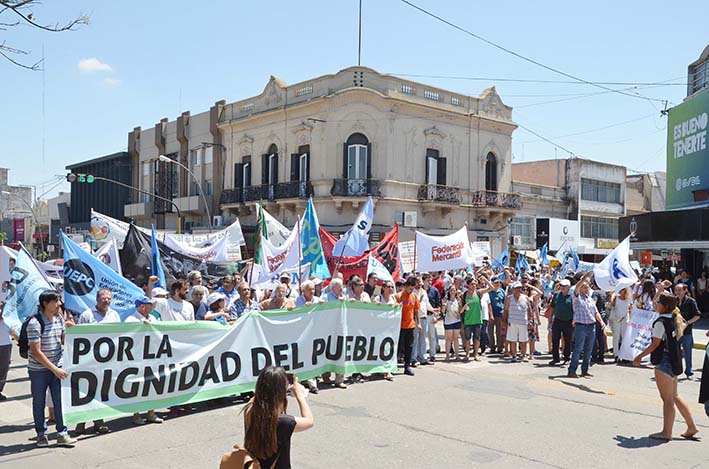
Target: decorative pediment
{"points": [[434, 132], [273, 93], [492, 105]]}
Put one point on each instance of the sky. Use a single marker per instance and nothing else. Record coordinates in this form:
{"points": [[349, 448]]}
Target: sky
{"points": [[139, 61]]}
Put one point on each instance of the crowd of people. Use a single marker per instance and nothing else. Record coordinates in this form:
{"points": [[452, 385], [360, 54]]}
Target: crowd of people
{"points": [[483, 312]]}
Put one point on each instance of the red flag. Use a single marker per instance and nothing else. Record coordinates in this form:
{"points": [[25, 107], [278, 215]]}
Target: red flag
{"points": [[386, 252]]}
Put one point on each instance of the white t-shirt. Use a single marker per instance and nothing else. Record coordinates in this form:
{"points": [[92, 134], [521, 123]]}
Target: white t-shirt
{"points": [[658, 330], [137, 317], [5, 338], [171, 310], [92, 316], [485, 307], [423, 302]]}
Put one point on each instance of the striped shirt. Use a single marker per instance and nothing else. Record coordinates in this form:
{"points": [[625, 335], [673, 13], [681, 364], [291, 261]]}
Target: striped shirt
{"points": [[50, 341], [518, 310]]}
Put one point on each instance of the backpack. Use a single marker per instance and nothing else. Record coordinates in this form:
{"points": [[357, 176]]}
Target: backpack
{"points": [[670, 346], [238, 459], [23, 340]]}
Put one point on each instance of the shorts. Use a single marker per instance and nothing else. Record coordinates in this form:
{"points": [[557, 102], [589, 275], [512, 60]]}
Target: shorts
{"points": [[452, 327], [665, 366], [517, 333], [472, 330]]}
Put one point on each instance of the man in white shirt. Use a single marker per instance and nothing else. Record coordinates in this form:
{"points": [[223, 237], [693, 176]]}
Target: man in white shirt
{"points": [[419, 353], [175, 308], [486, 308], [307, 296], [102, 312]]}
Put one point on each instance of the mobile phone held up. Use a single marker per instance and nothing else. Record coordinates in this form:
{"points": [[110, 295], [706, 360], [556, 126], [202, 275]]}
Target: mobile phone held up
{"points": [[291, 378]]}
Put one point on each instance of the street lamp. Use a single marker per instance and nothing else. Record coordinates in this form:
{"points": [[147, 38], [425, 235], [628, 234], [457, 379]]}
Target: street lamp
{"points": [[41, 241], [165, 159]]}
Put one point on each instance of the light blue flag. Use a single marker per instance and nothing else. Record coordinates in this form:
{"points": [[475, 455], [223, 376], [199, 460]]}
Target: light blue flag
{"points": [[27, 282], [522, 262], [502, 261], [310, 243], [576, 260], [543, 256], [84, 276], [356, 241], [155, 262]]}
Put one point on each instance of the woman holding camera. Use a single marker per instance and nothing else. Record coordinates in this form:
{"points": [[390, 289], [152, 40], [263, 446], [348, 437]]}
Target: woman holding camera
{"points": [[268, 428]]}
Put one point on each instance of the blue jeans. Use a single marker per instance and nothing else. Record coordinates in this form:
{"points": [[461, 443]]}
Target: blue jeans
{"points": [[584, 338], [687, 343], [419, 353], [39, 382]]}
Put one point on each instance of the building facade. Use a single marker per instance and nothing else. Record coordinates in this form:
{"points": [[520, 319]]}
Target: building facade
{"points": [[645, 192], [432, 159], [194, 142], [16, 219], [591, 192]]}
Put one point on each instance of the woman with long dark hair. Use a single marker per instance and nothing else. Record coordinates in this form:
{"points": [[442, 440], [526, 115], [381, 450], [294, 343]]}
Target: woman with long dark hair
{"points": [[268, 429], [665, 355]]}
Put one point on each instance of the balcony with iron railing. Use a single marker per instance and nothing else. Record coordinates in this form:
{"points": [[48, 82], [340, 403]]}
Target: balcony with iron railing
{"points": [[355, 188], [436, 193], [493, 199], [282, 190]]}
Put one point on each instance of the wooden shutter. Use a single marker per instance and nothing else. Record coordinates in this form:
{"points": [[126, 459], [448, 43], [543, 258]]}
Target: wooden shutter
{"points": [[369, 161], [294, 167], [238, 175], [344, 160], [275, 169], [264, 169], [441, 171], [425, 168], [307, 166]]}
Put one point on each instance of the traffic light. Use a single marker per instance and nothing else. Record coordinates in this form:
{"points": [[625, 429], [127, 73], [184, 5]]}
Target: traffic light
{"points": [[78, 177]]}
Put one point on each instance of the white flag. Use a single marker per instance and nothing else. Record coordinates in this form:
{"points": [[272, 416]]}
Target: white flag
{"points": [[434, 253], [277, 260], [373, 265], [216, 252], [356, 241], [108, 254], [614, 273], [277, 233]]}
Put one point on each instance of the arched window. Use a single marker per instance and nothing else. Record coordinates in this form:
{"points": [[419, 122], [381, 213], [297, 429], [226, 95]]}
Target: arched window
{"points": [[269, 166], [357, 158], [491, 172]]}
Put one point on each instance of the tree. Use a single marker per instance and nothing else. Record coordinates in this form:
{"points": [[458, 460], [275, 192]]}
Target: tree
{"points": [[3, 237], [17, 13]]}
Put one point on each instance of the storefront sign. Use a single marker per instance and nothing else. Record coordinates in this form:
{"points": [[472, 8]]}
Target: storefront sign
{"points": [[556, 232], [606, 243], [646, 258]]}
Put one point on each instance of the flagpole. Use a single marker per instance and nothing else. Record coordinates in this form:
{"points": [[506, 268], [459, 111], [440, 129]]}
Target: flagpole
{"points": [[415, 257], [300, 253], [342, 251], [253, 260]]}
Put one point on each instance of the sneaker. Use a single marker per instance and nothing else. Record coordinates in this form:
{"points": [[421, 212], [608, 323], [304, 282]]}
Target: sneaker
{"points": [[154, 419], [424, 363], [3, 397], [587, 375], [314, 389], [341, 385], [408, 371], [554, 363], [63, 439], [413, 365], [138, 421], [571, 375], [514, 359], [42, 441], [525, 358]]}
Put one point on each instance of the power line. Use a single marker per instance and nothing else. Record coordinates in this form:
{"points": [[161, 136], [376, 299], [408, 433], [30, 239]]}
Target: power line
{"points": [[610, 126], [527, 59], [546, 139], [523, 80]]}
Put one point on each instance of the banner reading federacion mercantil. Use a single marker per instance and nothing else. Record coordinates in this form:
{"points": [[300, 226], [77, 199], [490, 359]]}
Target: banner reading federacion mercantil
{"points": [[119, 369]]}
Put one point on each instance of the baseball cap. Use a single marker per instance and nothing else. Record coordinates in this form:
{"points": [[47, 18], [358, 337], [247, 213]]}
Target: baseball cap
{"points": [[159, 291], [214, 297], [143, 300], [565, 283], [517, 285]]}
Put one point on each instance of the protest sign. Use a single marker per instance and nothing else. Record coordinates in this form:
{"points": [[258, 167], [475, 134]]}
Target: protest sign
{"points": [[406, 254], [638, 334], [85, 275], [26, 283], [216, 252], [434, 253], [118, 369], [386, 252]]}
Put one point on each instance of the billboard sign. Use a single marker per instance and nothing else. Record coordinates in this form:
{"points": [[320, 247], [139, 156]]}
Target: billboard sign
{"points": [[556, 232], [687, 154]]}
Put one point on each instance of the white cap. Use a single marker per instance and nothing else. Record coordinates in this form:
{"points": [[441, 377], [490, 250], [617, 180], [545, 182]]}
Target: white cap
{"points": [[159, 291], [565, 283], [517, 285], [214, 297]]}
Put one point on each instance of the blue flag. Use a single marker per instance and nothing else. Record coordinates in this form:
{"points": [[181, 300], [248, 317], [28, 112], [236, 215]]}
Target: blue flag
{"points": [[522, 262], [27, 282], [543, 256], [310, 244], [85, 275], [502, 261], [155, 262]]}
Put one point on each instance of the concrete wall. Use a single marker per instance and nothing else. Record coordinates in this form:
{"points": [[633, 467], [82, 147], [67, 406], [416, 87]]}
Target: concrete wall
{"points": [[546, 173]]}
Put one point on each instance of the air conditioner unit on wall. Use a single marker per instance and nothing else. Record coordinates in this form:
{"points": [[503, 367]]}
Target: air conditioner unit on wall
{"points": [[409, 219], [516, 240], [217, 220]]}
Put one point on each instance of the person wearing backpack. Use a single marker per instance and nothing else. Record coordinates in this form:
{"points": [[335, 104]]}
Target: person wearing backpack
{"points": [[44, 334], [665, 355]]}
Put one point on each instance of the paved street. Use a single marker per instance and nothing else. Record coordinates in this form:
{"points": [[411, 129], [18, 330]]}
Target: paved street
{"points": [[488, 414]]}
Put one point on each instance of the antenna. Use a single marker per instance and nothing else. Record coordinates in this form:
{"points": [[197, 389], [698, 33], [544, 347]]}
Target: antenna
{"points": [[359, 49]]}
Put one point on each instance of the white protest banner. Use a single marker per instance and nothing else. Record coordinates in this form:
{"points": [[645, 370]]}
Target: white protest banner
{"points": [[105, 228], [6, 255], [233, 233], [119, 369], [614, 273], [406, 255], [434, 253], [275, 261], [638, 334], [481, 250], [216, 252]]}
